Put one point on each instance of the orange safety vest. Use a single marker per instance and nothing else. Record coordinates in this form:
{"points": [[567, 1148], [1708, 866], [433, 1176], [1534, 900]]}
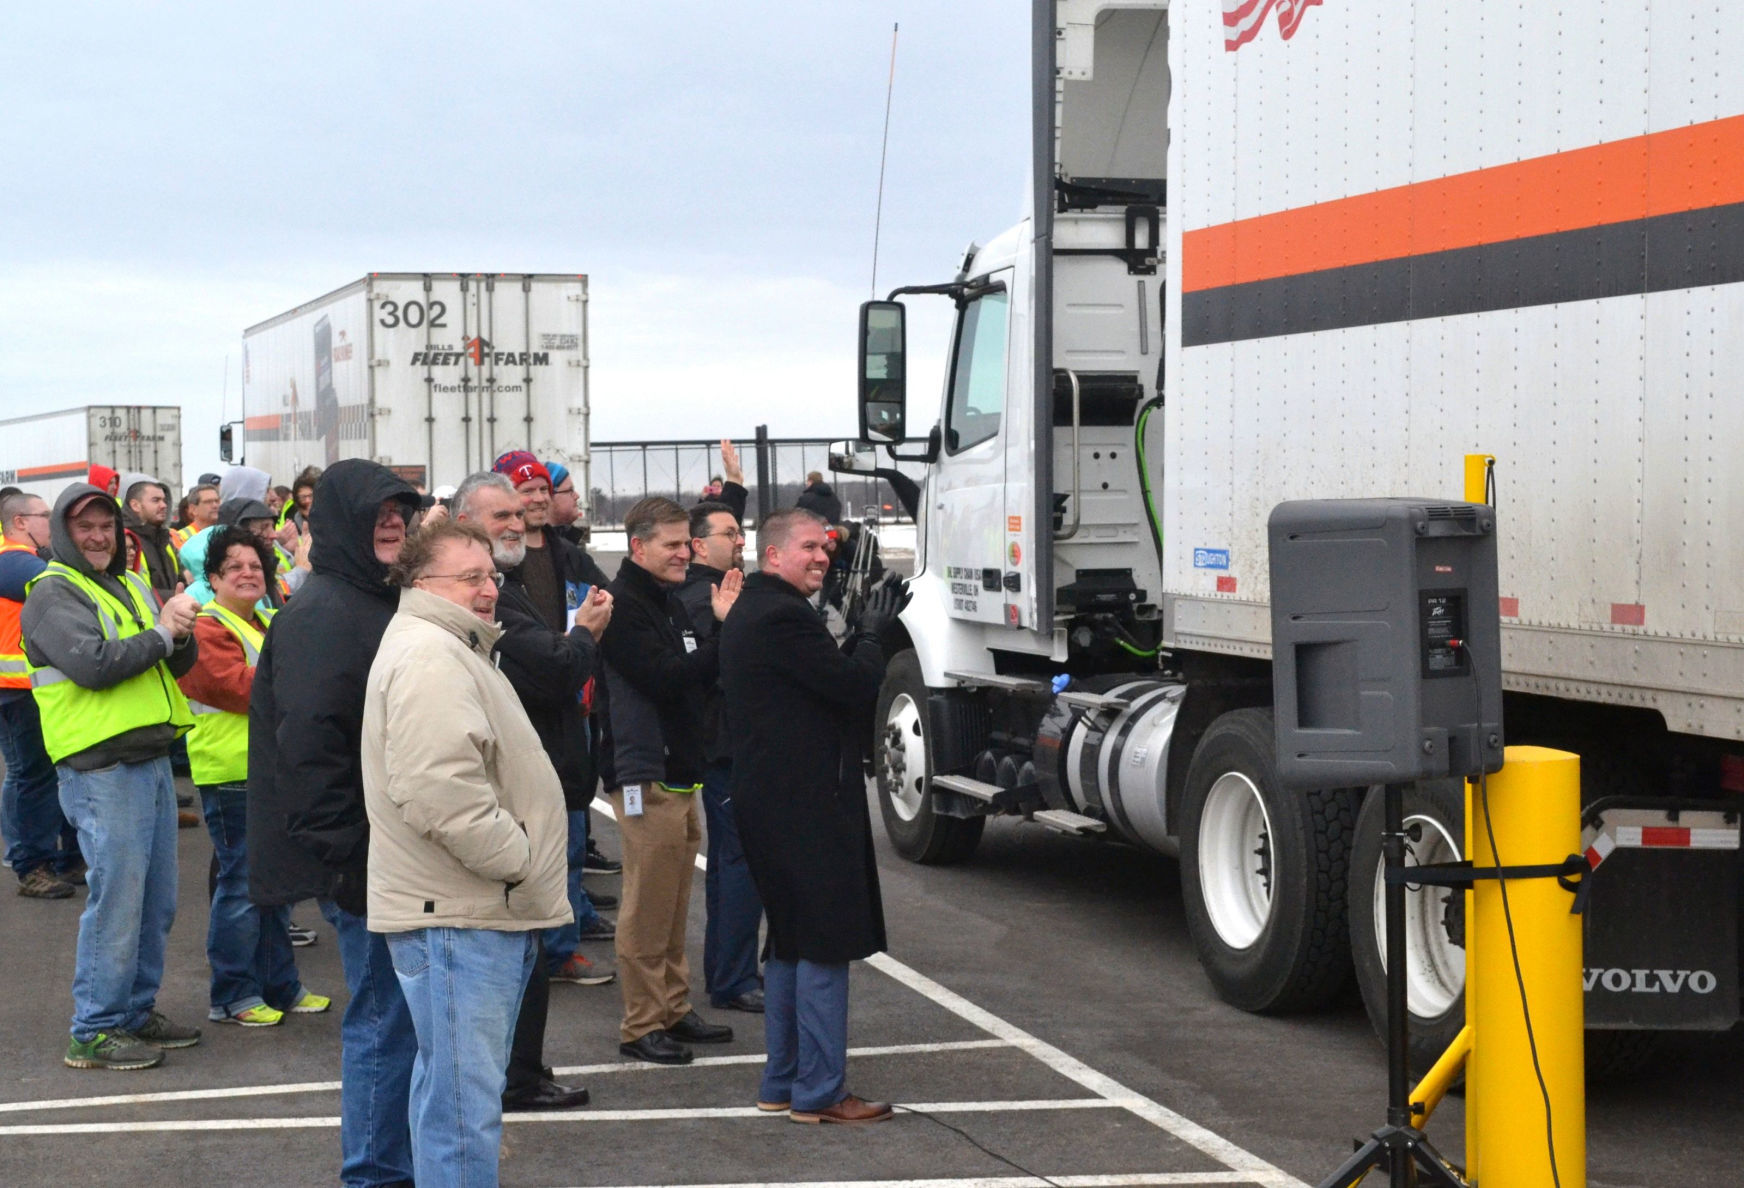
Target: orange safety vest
{"points": [[12, 670]]}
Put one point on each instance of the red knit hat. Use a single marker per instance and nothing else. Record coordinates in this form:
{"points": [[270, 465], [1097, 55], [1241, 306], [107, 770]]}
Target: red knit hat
{"points": [[522, 467]]}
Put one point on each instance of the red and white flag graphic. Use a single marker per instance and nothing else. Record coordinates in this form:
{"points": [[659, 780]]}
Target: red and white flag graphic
{"points": [[1243, 19]]}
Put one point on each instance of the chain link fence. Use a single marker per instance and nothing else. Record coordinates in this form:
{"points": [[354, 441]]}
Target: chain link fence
{"points": [[775, 469]]}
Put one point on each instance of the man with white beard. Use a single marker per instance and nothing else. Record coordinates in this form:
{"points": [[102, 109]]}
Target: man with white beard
{"points": [[548, 655]]}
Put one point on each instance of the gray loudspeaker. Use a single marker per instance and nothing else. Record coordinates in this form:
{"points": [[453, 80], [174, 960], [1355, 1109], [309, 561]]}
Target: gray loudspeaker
{"points": [[1386, 641]]}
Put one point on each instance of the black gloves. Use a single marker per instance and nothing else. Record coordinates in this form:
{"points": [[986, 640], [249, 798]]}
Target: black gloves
{"points": [[884, 605]]}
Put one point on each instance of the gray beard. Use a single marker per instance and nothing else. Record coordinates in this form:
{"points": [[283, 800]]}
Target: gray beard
{"points": [[507, 555]]}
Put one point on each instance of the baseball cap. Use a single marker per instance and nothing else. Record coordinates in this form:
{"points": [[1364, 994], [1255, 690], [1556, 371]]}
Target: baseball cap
{"points": [[558, 472], [521, 466]]}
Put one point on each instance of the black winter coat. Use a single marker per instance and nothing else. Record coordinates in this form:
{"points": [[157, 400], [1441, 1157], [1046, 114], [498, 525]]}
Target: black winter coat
{"points": [[799, 714], [308, 835], [655, 686], [549, 671]]}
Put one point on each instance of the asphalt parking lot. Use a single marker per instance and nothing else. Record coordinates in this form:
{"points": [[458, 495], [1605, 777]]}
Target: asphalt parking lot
{"points": [[1040, 1013]]}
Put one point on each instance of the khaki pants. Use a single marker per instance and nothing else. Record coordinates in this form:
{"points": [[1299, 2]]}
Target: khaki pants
{"points": [[659, 852]]}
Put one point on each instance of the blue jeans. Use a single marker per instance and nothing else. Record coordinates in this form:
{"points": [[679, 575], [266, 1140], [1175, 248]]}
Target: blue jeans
{"points": [[126, 818], [37, 832], [805, 1028], [247, 947], [463, 986], [560, 942], [377, 1048], [729, 940]]}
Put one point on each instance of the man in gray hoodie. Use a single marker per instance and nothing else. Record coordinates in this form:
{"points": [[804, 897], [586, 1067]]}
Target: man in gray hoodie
{"points": [[103, 659]]}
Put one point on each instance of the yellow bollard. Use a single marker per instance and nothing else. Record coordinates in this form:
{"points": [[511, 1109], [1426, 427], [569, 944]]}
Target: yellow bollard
{"points": [[1477, 473], [1534, 813]]}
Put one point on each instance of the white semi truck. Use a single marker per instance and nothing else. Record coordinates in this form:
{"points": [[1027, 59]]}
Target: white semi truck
{"points": [[1283, 251], [44, 453], [432, 374]]}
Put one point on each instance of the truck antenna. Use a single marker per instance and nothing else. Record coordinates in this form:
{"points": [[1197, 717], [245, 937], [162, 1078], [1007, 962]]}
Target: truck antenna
{"points": [[883, 149]]}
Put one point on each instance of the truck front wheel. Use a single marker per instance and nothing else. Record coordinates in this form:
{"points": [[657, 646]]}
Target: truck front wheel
{"points": [[903, 754], [1263, 872]]}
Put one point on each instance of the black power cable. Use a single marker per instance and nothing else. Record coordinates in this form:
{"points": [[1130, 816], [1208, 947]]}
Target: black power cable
{"points": [[978, 1144]]}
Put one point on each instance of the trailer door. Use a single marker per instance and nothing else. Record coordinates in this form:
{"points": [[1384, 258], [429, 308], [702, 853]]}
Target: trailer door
{"points": [[969, 492]]}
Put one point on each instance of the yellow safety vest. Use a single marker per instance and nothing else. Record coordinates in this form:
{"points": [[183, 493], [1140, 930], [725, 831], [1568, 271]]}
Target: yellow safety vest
{"points": [[75, 718], [218, 748]]}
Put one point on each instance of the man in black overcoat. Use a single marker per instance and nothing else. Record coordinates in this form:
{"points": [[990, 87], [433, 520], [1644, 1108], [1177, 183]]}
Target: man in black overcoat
{"points": [[799, 714]]}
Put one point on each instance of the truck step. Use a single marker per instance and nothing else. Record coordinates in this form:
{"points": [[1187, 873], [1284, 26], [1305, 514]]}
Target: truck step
{"points": [[993, 680], [968, 787], [1061, 821], [1081, 698]]}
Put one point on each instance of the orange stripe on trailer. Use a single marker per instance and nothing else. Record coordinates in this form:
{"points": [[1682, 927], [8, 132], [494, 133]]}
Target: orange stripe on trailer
{"points": [[54, 470], [1670, 172], [270, 421]]}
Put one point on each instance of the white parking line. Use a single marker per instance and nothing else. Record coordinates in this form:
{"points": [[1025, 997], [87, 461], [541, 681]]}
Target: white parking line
{"points": [[73, 1103], [657, 1115], [1206, 1141], [1137, 1180]]}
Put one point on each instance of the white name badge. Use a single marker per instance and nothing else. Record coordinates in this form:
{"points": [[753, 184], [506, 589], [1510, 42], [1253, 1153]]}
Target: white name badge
{"points": [[689, 642], [632, 800]]}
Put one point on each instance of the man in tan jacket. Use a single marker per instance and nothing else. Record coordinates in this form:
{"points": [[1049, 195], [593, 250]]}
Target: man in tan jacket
{"points": [[467, 856]]}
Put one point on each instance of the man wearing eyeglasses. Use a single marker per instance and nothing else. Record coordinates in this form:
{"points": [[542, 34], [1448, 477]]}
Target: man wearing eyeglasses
{"points": [[41, 847], [308, 834], [729, 949]]}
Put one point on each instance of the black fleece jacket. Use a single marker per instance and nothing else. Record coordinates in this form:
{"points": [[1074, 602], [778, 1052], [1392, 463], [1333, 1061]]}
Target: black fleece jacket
{"points": [[655, 685]]}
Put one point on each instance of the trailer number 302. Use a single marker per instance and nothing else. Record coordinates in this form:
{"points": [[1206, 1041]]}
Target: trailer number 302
{"points": [[393, 314]]}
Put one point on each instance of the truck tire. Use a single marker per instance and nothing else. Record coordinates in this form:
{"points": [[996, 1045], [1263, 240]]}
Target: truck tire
{"points": [[1263, 873], [903, 753], [1434, 918]]}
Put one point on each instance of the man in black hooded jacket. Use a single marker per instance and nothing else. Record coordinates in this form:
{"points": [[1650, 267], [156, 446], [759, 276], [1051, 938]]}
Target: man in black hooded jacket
{"points": [[308, 834]]}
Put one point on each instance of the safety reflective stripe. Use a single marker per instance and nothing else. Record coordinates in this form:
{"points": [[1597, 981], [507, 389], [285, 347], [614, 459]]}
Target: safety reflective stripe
{"points": [[12, 664], [47, 676]]}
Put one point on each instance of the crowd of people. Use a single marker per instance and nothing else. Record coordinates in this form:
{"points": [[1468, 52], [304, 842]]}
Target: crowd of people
{"points": [[403, 708]]}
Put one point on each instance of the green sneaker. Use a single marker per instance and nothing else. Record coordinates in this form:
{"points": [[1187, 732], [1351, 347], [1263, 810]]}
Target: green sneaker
{"points": [[159, 1032], [258, 1015], [112, 1049]]}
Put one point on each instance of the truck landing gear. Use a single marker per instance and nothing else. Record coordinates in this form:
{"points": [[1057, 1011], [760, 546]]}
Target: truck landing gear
{"points": [[1263, 872], [903, 757]]}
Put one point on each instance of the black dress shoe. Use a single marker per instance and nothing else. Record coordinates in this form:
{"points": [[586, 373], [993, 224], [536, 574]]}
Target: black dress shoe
{"points": [[694, 1029], [750, 1000], [546, 1095], [601, 900], [656, 1047]]}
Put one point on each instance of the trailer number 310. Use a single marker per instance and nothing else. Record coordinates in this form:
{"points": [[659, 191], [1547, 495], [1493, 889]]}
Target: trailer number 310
{"points": [[393, 314]]}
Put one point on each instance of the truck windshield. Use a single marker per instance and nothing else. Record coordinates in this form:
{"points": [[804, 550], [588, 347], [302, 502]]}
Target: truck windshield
{"points": [[978, 373]]}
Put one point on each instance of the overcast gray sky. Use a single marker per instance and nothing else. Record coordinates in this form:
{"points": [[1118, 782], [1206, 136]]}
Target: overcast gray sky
{"points": [[176, 173]]}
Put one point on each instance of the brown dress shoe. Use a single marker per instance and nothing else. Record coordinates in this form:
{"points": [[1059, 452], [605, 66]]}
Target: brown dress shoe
{"points": [[850, 1111], [186, 819]]}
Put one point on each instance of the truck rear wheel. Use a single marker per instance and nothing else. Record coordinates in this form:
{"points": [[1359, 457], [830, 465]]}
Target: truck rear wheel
{"points": [[1263, 872], [903, 753], [1434, 918]]}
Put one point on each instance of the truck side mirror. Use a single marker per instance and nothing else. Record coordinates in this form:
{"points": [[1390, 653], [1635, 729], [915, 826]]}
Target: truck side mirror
{"points": [[227, 442], [883, 372]]}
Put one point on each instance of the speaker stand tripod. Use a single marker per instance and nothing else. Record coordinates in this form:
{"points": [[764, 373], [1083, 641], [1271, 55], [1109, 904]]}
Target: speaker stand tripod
{"points": [[1400, 1148]]}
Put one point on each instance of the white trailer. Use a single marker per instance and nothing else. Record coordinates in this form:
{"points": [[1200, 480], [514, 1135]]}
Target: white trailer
{"points": [[42, 454], [1288, 250], [431, 374]]}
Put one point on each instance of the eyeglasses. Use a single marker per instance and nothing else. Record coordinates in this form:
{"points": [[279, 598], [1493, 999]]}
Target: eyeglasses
{"points": [[30, 515], [470, 578], [728, 533], [233, 570]]}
